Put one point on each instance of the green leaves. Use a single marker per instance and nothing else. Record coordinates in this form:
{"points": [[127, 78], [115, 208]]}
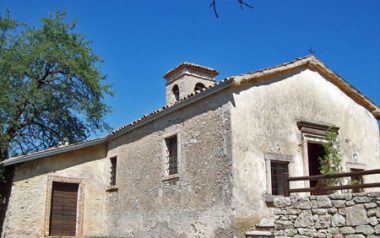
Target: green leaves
{"points": [[331, 162], [51, 87], [7, 23]]}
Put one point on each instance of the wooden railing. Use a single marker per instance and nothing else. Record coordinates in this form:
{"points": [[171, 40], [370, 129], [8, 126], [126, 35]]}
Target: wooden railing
{"points": [[327, 188]]}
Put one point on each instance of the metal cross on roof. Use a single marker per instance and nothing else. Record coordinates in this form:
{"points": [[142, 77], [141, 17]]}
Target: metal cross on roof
{"points": [[311, 51]]}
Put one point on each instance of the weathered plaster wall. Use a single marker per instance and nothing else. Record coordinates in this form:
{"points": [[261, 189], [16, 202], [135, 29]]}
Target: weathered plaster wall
{"points": [[333, 216], [26, 213], [264, 119], [222, 181], [197, 202], [143, 203]]}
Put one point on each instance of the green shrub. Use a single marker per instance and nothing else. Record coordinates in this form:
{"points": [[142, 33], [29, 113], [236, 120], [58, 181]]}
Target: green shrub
{"points": [[331, 162]]}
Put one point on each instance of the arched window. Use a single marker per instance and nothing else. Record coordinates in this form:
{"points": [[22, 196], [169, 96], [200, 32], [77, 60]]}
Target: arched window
{"points": [[198, 87], [175, 90]]}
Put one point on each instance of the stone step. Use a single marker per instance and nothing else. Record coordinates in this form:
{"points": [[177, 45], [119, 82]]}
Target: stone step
{"points": [[258, 234], [266, 224]]}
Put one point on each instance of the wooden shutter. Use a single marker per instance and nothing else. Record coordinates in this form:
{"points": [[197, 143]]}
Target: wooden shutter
{"points": [[63, 213]]}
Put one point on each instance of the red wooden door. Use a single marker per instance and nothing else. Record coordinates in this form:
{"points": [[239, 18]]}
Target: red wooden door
{"points": [[63, 213]]}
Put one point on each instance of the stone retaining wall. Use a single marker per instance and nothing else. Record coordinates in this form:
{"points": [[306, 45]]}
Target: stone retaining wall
{"points": [[336, 215]]}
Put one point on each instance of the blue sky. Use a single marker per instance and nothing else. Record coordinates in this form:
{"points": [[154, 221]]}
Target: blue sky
{"points": [[141, 40]]}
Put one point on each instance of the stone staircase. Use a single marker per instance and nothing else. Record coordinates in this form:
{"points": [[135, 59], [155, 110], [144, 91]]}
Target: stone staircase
{"points": [[263, 229]]}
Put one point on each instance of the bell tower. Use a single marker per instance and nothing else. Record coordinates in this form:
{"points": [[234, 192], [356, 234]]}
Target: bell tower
{"points": [[187, 78]]}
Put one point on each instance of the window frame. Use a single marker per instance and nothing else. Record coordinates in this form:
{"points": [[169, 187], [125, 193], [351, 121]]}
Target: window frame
{"points": [[279, 158], [311, 133], [113, 171], [171, 144]]}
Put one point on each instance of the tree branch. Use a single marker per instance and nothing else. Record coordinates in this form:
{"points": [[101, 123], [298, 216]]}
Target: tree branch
{"points": [[213, 5], [242, 4]]}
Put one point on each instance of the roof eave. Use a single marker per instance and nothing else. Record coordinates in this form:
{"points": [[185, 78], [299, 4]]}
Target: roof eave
{"points": [[64, 149], [55, 151], [209, 70], [307, 62], [347, 88]]}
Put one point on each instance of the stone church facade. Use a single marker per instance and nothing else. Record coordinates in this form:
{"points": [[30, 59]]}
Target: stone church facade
{"points": [[207, 164]]}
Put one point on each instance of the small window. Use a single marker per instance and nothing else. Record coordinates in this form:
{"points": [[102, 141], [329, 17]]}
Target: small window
{"points": [[113, 171], [277, 170], [358, 179], [175, 90], [171, 155], [198, 87]]}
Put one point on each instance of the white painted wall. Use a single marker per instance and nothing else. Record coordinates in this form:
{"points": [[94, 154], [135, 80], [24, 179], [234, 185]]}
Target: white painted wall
{"points": [[264, 119]]}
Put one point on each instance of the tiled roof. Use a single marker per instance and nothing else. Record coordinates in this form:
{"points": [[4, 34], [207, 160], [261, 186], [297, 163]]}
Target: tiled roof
{"points": [[168, 106], [57, 150], [307, 57], [309, 61], [191, 65], [53, 151], [230, 79]]}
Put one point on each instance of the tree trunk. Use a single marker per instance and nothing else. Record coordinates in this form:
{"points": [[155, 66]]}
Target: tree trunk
{"points": [[5, 189]]}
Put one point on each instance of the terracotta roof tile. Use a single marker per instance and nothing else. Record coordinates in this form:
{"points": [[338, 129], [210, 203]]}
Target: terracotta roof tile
{"points": [[310, 59], [191, 65], [167, 106]]}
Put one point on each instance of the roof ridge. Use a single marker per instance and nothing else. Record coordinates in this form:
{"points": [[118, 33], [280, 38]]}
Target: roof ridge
{"points": [[187, 63], [312, 57], [309, 58], [167, 106], [219, 84]]}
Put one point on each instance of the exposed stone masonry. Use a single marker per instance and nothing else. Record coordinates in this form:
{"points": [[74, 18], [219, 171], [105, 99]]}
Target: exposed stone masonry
{"points": [[336, 216]]}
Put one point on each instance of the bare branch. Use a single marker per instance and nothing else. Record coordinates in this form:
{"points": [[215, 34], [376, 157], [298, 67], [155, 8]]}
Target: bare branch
{"points": [[213, 5], [242, 4]]}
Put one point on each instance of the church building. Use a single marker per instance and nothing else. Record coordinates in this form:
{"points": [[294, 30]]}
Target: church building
{"points": [[207, 164]]}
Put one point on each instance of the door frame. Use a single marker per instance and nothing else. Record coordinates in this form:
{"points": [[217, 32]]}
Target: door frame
{"points": [[80, 203], [311, 133]]}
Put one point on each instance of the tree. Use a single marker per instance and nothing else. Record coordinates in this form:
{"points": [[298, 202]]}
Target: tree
{"points": [[51, 87]]}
